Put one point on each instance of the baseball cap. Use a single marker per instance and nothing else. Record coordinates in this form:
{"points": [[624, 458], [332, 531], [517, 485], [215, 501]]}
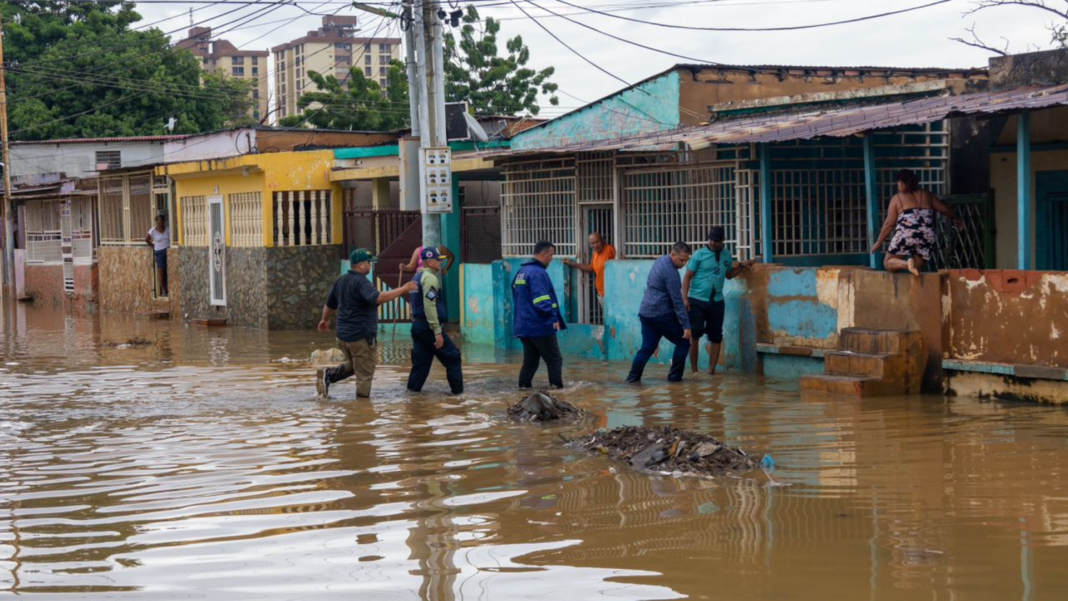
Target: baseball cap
{"points": [[360, 255], [716, 234], [431, 253]]}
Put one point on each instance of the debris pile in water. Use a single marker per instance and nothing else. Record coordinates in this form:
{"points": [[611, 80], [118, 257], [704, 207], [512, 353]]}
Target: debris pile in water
{"points": [[542, 407], [667, 449]]}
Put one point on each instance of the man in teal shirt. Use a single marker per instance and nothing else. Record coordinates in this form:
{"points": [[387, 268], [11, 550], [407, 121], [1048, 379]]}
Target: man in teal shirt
{"points": [[702, 292]]}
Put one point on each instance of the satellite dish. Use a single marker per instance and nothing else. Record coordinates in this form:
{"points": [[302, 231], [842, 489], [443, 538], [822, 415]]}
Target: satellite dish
{"points": [[170, 124]]}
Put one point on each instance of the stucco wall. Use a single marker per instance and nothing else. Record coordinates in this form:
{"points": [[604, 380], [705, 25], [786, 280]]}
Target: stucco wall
{"points": [[78, 159], [126, 285], [1013, 317], [478, 318], [648, 107]]}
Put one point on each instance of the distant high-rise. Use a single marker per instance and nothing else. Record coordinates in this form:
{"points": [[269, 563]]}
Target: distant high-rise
{"points": [[223, 57], [330, 50]]}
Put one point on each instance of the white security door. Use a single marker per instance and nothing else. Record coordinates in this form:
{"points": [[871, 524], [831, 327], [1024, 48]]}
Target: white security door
{"points": [[217, 250]]}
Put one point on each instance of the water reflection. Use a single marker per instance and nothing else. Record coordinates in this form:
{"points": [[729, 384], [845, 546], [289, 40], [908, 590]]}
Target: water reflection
{"points": [[200, 465]]}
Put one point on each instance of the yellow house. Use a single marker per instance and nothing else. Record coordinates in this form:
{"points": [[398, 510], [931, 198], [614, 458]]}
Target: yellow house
{"points": [[259, 237]]}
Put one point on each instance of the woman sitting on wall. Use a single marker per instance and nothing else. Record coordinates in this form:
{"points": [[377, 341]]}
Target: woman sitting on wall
{"points": [[911, 219]]}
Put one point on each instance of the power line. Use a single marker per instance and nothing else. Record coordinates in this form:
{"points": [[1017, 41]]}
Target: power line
{"points": [[755, 29]]}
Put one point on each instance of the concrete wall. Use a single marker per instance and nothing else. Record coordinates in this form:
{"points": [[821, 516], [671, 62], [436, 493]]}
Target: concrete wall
{"points": [[1047, 127], [1011, 317], [126, 285], [478, 312], [77, 159], [45, 284], [648, 107]]}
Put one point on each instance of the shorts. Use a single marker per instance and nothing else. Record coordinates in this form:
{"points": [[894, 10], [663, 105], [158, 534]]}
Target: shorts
{"points": [[161, 259], [707, 318]]}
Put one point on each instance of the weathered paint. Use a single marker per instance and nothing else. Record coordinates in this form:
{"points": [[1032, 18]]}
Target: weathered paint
{"points": [[1009, 317], [478, 319], [648, 107], [799, 321]]}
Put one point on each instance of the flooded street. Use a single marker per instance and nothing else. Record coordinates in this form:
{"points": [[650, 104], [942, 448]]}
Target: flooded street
{"points": [[154, 460]]}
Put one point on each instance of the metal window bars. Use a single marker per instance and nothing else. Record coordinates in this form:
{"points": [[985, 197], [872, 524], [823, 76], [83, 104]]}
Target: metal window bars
{"points": [[194, 211], [538, 203], [246, 219]]}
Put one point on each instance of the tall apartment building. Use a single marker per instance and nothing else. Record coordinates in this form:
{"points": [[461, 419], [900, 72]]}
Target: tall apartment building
{"points": [[222, 56], [330, 50]]}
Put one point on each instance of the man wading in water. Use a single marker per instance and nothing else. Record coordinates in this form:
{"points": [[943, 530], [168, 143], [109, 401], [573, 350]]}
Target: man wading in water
{"points": [[428, 341], [702, 292], [356, 301]]}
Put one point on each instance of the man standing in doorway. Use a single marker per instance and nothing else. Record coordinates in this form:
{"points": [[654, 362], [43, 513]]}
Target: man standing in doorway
{"points": [[159, 238], [663, 314], [602, 253], [428, 340], [356, 301], [537, 317], [702, 290]]}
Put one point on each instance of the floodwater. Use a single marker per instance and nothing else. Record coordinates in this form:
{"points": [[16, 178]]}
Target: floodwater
{"points": [[201, 466]]}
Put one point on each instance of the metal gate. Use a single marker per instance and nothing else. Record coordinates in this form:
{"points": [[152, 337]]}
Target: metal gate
{"points": [[595, 218], [480, 226], [217, 251]]}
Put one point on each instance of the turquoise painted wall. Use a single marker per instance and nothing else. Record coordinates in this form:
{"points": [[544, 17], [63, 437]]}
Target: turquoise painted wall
{"points": [[794, 307], [479, 317], [649, 107]]}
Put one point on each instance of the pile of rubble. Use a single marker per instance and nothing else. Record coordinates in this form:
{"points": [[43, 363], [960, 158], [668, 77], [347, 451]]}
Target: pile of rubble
{"points": [[542, 407], [668, 450]]}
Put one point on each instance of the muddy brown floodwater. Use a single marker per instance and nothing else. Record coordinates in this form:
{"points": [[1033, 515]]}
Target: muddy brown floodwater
{"points": [[201, 466]]}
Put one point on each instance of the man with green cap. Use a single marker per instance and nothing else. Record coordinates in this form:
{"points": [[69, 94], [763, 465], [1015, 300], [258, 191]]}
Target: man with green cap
{"points": [[356, 300]]}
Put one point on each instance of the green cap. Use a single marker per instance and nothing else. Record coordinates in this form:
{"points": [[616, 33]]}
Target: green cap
{"points": [[360, 255]]}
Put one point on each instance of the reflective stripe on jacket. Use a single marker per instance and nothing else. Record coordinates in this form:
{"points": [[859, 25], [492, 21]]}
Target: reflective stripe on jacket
{"points": [[534, 305]]}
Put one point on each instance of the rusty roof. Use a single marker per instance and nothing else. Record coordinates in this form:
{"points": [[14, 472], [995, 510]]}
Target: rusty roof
{"points": [[833, 122], [101, 140]]}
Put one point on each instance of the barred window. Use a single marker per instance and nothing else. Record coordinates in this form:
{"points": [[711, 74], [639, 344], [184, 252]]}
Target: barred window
{"points": [[538, 203], [664, 205], [302, 218], [246, 219], [108, 159], [43, 232], [112, 211], [194, 211]]}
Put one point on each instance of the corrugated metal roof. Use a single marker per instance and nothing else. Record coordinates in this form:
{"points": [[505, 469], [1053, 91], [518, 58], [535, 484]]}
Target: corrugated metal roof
{"points": [[834, 123]]}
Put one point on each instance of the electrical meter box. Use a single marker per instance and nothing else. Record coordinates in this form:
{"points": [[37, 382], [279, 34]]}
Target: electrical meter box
{"points": [[436, 171]]}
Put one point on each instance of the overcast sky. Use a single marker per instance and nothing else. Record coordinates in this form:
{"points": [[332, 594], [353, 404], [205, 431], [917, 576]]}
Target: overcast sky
{"points": [[915, 39]]}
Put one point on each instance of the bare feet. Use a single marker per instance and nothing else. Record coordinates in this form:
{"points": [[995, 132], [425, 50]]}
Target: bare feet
{"points": [[912, 268]]}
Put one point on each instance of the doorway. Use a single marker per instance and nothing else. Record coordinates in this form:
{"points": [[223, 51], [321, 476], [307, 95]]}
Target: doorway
{"points": [[1051, 220], [217, 251], [595, 218]]}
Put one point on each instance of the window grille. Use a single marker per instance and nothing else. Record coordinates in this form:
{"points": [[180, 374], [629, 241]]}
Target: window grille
{"points": [[112, 211], [43, 233], [819, 210], [593, 181], [237, 60], [246, 219], [302, 218], [81, 222], [108, 159], [141, 207], [664, 205], [538, 203], [194, 211]]}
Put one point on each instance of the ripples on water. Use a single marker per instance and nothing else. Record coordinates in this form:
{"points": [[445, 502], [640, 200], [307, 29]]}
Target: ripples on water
{"points": [[202, 466]]}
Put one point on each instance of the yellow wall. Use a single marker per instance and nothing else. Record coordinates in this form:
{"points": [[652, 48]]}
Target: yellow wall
{"points": [[268, 173], [1003, 181]]}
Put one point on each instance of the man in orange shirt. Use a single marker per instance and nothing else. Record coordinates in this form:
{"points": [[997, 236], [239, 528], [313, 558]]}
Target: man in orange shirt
{"points": [[602, 253]]}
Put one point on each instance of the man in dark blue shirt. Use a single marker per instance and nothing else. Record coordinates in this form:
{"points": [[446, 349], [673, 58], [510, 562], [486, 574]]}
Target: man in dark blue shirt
{"points": [[663, 314], [356, 301], [537, 317]]}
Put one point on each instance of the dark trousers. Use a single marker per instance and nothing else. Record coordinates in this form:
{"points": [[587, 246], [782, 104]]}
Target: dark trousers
{"points": [[653, 329], [536, 349], [423, 353]]}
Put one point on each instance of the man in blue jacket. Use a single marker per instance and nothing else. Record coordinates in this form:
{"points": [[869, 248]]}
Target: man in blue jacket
{"points": [[663, 314], [537, 317]]}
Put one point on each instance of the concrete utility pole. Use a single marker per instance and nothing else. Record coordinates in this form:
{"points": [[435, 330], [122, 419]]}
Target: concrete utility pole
{"points": [[431, 124], [9, 219]]}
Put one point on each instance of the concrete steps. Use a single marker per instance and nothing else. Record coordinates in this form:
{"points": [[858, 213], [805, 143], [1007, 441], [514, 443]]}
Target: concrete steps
{"points": [[871, 363]]}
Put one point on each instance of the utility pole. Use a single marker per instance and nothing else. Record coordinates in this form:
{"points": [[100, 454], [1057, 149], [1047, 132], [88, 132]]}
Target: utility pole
{"points": [[9, 219], [432, 104]]}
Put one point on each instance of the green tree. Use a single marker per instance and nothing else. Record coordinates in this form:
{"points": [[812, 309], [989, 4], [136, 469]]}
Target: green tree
{"points": [[78, 70], [358, 103], [493, 85]]}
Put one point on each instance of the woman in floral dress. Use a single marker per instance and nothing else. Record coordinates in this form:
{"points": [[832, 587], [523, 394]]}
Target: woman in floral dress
{"points": [[911, 220]]}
